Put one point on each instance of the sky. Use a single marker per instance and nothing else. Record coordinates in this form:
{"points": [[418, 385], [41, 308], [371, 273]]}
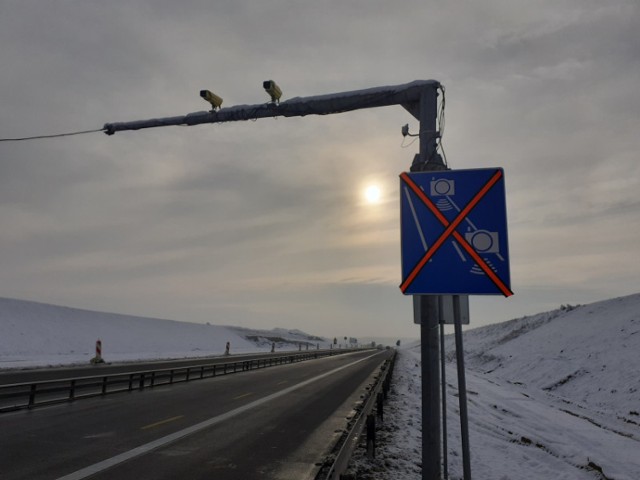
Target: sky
{"points": [[265, 223]]}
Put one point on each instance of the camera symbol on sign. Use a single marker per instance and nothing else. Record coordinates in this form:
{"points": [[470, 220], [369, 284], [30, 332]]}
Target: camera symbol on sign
{"points": [[442, 187], [483, 241]]}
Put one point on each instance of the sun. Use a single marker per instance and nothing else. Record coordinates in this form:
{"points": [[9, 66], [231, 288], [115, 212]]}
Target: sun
{"points": [[373, 194]]}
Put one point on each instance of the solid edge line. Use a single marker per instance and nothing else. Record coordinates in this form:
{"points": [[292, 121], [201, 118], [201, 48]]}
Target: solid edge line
{"points": [[160, 442]]}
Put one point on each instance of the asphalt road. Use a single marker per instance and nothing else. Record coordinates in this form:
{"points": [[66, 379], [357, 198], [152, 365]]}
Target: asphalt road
{"points": [[274, 423]]}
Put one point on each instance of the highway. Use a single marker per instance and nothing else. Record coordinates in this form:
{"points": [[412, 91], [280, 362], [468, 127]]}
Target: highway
{"points": [[275, 423]]}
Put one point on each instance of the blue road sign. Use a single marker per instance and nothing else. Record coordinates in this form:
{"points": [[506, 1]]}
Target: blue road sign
{"points": [[454, 233]]}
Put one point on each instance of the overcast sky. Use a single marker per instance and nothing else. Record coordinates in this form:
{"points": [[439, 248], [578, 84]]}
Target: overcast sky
{"points": [[264, 223]]}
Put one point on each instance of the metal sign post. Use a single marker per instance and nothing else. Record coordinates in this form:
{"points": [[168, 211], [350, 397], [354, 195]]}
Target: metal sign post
{"points": [[428, 312], [462, 390], [445, 450]]}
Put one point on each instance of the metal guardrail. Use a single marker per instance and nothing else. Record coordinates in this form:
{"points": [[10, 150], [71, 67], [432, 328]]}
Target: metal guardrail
{"points": [[335, 466], [19, 396]]}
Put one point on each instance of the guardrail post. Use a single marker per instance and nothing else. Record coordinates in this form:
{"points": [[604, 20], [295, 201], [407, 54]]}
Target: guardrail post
{"points": [[104, 385], [380, 405], [171, 377], [32, 394], [141, 384], [371, 436], [386, 385], [72, 390]]}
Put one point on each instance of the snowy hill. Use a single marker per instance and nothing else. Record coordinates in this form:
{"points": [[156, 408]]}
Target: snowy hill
{"points": [[281, 337], [36, 334], [550, 396], [588, 353]]}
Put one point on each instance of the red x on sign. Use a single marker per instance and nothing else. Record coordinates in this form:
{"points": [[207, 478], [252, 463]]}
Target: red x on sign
{"points": [[450, 231]]}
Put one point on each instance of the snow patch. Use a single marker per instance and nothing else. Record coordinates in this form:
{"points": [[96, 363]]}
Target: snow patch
{"points": [[551, 396], [37, 335]]}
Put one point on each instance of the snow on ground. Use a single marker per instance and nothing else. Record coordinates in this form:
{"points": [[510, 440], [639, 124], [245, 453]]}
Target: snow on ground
{"points": [[551, 396], [36, 335]]}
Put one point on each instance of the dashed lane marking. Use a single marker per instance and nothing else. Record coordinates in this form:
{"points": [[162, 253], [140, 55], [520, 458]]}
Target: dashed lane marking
{"points": [[162, 422], [242, 396]]}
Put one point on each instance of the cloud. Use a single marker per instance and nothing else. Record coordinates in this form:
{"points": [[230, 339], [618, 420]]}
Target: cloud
{"points": [[263, 222]]}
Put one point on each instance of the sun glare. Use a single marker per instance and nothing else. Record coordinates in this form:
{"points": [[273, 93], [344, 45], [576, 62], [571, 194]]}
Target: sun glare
{"points": [[373, 194]]}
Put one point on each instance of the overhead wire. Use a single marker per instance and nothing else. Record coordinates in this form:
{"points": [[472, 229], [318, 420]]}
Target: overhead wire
{"points": [[441, 124], [56, 135], [403, 145]]}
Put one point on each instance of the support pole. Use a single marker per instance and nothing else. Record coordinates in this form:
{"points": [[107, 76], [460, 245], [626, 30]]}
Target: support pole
{"points": [[429, 160], [431, 469], [443, 380], [462, 389], [406, 95]]}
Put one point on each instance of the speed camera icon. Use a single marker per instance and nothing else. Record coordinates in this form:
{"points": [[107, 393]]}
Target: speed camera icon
{"points": [[441, 187], [483, 241]]}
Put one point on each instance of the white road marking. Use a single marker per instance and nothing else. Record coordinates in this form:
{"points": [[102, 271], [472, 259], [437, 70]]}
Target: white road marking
{"points": [[242, 396], [161, 442], [162, 422]]}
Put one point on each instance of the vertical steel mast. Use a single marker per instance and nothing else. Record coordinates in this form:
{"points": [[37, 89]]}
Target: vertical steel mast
{"points": [[427, 307]]}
